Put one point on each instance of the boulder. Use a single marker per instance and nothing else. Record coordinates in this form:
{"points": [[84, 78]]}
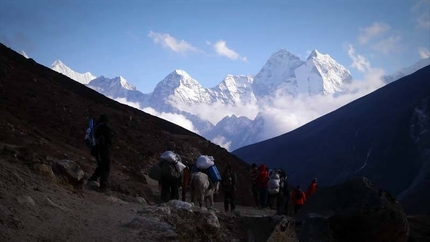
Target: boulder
{"points": [[210, 221], [141, 200], [68, 168], [45, 171], [284, 230], [353, 211], [26, 201], [179, 204]]}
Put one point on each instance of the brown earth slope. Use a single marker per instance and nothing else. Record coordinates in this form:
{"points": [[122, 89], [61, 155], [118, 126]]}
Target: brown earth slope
{"points": [[47, 113]]}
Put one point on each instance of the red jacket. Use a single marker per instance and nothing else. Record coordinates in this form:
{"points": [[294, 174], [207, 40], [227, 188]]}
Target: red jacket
{"points": [[263, 177], [311, 189], [299, 201]]}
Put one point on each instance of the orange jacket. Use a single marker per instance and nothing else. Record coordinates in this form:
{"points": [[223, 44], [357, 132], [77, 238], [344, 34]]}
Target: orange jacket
{"points": [[311, 189], [299, 201]]}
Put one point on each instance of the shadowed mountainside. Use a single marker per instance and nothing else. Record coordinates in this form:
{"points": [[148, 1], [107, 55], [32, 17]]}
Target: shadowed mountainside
{"points": [[383, 136], [47, 113]]}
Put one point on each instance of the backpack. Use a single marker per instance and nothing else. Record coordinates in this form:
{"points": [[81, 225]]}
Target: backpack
{"points": [[298, 194], [90, 135]]}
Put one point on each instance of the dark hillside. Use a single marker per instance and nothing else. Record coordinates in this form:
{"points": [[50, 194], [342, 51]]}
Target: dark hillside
{"points": [[383, 136], [47, 113]]}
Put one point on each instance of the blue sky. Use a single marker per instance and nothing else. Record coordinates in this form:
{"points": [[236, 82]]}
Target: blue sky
{"points": [[144, 41]]}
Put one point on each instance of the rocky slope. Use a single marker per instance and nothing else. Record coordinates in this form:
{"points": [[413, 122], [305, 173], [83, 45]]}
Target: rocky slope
{"points": [[48, 113]]}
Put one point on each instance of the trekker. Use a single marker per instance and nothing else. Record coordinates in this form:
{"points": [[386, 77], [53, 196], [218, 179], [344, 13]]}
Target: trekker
{"points": [[254, 175], [171, 177], [283, 195], [273, 188], [186, 180], [299, 198], [313, 187], [103, 136], [262, 179], [287, 193], [229, 181]]}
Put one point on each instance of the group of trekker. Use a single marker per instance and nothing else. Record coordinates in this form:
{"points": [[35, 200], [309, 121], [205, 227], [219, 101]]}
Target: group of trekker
{"points": [[271, 187], [176, 174], [268, 186], [170, 187]]}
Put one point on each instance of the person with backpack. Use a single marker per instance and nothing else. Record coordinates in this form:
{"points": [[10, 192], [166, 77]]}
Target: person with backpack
{"points": [[170, 176], [273, 188], [229, 181], [299, 198], [313, 187], [262, 179], [254, 175], [101, 150], [283, 195]]}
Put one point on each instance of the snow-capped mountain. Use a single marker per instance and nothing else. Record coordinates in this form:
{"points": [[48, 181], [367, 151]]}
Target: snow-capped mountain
{"points": [[235, 90], [319, 74], [278, 69], [176, 90], [178, 93], [227, 131], [60, 67], [118, 88], [407, 70]]}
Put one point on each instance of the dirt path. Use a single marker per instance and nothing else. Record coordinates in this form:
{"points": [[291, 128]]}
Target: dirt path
{"points": [[35, 210], [219, 206]]}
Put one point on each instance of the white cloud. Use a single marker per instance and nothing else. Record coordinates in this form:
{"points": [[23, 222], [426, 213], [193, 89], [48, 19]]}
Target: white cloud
{"points": [[424, 52], [178, 119], [421, 12], [222, 49], [372, 31], [217, 111], [388, 45], [222, 141], [359, 62], [282, 113], [170, 42], [124, 101], [208, 42]]}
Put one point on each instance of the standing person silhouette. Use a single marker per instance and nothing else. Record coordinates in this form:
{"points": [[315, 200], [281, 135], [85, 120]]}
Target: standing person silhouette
{"points": [[103, 137]]}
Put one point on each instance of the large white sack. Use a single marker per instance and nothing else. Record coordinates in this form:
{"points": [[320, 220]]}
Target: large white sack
{"points": [[204, 162], [275, 176], [179, 166], [273, 191], [170, 157], [273, 183]]}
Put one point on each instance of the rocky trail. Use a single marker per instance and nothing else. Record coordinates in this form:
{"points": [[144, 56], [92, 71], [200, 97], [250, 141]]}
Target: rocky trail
{"points": [[34, 208]]}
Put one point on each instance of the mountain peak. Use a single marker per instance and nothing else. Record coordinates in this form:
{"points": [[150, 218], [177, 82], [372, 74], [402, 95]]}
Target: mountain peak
{"points": [[125, 84], [57, 63], [83, 78], [313, 54], [282, 53], [181, 73]]}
